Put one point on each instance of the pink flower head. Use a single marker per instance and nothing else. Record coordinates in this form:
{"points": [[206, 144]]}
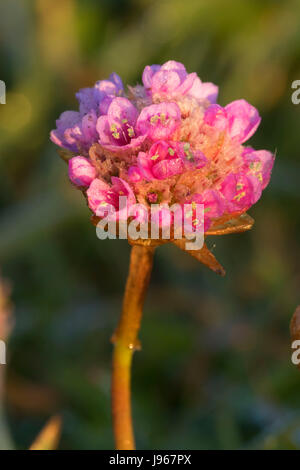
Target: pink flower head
{"points": [[104, 199], [172, 80], [159, 121], [166, 142], [118, 130], [238, 118], [81, 171]]}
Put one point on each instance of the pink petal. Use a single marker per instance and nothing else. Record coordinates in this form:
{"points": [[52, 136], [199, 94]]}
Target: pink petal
{"points": [[243, 120], [81, 171], [173, 65], [148, 73], [216, 116], [240, 192], [121, 109], [208, 91], [159, 121], [167, 168], [260, 164], [121, 187], [165, 81], [97, 193], [134, 174], [145, 165]]}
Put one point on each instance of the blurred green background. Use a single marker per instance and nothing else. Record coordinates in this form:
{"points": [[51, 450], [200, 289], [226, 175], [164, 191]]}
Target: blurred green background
{"points": [[215, 369]]}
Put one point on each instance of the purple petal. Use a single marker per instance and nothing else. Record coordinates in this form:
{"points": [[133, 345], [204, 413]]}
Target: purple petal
{"points": [[103, 130], [122, 109], [148, 73], [89, 122], [62, 135]]}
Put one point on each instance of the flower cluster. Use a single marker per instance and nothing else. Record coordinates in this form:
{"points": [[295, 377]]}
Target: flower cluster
{"points": [[166, 141]]}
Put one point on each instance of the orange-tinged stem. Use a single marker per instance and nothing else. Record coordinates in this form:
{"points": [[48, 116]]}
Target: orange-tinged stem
{"points": [[126, 342]]}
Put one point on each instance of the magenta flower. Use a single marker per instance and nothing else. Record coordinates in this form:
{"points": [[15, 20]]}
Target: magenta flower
{"points": [[259, 163], [102, 197], [118, 131], [240, 192], [213, 203], [171, 80], [159, 121], [81, 171], [238, 118], [164, 160]]}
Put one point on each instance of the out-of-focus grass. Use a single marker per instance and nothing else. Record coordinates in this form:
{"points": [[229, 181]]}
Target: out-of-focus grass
{"points": [[215, 368]]}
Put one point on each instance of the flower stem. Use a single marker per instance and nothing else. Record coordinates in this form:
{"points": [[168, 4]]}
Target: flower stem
{"points": [[126, 342]]}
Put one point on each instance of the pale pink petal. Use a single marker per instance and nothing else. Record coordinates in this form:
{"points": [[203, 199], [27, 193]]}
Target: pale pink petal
{"points": [[216, 117], [243, 120], [96, 193], [165, 81], [122, 109], [81, 171]]}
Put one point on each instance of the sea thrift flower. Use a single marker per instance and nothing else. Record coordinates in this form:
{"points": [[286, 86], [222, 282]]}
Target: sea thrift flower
{"points": [[238, 118], [166, 159], [165, 142], [101, 195], [118, 131], [171, 80]]}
